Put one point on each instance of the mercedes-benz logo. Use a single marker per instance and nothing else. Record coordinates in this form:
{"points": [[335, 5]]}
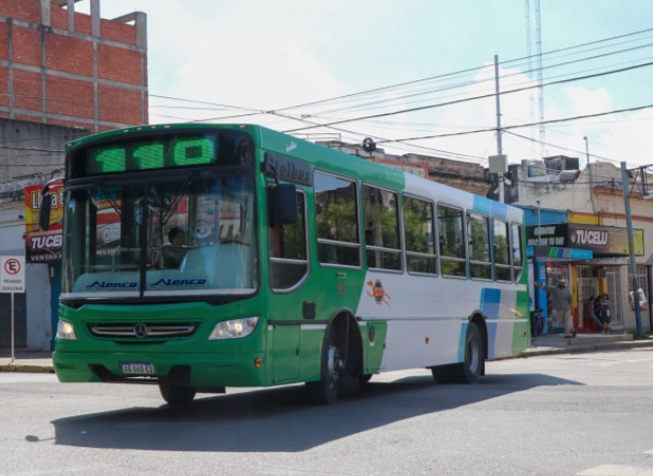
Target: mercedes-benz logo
{"points": [[140, 330]]}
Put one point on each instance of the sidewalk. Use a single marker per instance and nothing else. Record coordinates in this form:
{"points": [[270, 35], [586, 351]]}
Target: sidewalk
{"points": [[551, 344]]}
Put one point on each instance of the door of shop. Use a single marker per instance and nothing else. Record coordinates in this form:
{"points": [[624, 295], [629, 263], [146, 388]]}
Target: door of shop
{"points": [[587, 286], [20, 322], [616, 296]]}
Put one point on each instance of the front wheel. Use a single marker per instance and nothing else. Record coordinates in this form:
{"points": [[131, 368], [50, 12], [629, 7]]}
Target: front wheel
{"points": [[177, 394], [325, 390], [471, 369]]}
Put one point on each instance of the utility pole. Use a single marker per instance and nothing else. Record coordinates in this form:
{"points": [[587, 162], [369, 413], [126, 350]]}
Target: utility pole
{"points": [[631, 248], [499, 144], [589, 170]]}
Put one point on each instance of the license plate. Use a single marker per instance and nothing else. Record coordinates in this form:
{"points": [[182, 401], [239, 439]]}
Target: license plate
{"points": [[143, 368]]}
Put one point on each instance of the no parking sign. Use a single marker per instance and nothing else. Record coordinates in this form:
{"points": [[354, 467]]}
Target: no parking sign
{"points": [[12, 280], [12, 274]]}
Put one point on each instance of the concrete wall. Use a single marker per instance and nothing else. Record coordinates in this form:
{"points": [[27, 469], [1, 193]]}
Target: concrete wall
{"points": [[28, 148]]}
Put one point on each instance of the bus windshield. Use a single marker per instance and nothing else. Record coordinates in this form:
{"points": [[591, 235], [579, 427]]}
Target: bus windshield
{"points": [[193, 235]]}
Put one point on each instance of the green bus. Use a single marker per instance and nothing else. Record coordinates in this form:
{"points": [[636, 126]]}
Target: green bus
{"points": [[199, 257]]}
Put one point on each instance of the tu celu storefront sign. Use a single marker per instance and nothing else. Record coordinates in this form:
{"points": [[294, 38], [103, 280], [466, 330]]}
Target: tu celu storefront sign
{"points": [[602, 240]]}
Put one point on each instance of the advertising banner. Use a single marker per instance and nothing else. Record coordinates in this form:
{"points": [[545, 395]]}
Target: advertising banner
{"points": [[602, 240], [43, 246]]}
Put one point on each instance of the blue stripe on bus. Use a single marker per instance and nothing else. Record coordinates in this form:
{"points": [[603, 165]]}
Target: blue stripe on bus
{"points": [[490, 207], [491, 303]]}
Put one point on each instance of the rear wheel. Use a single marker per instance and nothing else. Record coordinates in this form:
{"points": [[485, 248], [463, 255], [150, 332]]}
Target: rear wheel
{"points": [[177, 394], [471, 369]]}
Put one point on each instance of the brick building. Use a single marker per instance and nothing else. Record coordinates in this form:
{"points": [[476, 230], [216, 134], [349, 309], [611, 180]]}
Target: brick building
{"points": [[465, 176], [62, 67]]}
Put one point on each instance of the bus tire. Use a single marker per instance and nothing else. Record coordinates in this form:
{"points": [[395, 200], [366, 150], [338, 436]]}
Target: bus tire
{"points": [[471, 369], [177, 394], [325, 390]]}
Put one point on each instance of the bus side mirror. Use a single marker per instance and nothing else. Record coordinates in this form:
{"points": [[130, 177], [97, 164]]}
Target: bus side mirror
{"points": [[45, 205], [282, 204]]}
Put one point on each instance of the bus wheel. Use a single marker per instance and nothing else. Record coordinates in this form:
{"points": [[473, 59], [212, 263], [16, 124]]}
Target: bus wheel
{"points": [[471, 369], [325, 390], [177, 394]]}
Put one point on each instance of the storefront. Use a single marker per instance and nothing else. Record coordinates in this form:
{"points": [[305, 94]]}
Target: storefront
{"points": [[594, 261], [43, 256]]}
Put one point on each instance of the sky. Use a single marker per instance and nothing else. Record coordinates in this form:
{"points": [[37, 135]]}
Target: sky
{"points": [[292, 64]]}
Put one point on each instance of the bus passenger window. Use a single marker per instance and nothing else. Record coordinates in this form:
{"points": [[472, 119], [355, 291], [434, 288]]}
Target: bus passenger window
{"points": [[453, 260], [501, 251], [287, 245], [381, 228], [336, 220], [419, 236], [517, 252], [478, 231]]}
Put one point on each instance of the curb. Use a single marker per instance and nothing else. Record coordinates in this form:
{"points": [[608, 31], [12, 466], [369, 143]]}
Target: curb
{"points": [[26, 368], [587, 348]]}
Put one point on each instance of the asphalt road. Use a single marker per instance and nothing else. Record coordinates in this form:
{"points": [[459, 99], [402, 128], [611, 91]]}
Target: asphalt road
{"points": [[584, 414]]}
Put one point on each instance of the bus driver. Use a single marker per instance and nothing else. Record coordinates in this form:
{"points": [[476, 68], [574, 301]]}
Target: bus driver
{"points": [[174, 252]]}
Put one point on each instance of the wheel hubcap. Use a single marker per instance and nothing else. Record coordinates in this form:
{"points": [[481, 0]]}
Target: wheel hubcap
{"points": [[334, 364]]}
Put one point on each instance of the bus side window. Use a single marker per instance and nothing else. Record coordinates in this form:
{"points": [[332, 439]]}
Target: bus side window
{"points": [[419, 236], [381, 213], [453, 259], [288, 250], [501, 251], [336, 220], [478, 232], [517, 252]]}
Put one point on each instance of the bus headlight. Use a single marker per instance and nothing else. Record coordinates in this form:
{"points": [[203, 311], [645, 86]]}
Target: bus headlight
{"points": [[65, 330], [234, 329]]}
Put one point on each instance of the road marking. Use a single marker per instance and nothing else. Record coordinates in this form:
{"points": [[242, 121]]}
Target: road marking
{"points": [[649, 452], [616, 470]]}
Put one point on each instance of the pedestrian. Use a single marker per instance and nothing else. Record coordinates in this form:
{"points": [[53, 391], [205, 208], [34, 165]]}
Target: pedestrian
{"points": [[561, 303], [604, 313], [590, 313]]}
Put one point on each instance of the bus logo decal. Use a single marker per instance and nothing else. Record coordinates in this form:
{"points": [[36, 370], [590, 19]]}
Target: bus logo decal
{"points": [[178, 282], [105, 284], [378, 293]]}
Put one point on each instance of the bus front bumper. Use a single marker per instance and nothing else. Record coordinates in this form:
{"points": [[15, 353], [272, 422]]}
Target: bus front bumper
{"points": [[197, 370]]}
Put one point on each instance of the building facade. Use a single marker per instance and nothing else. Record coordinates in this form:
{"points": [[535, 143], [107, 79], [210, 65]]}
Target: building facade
{"points": [[63, 75], [580, 233]]}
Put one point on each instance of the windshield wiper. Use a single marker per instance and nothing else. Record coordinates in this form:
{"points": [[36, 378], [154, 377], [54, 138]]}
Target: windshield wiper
{"points": [[173, 205]]}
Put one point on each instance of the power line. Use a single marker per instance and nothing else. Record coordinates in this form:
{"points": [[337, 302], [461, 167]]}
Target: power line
{"points": [[518, 126], [474, 98], [468, 70]]}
